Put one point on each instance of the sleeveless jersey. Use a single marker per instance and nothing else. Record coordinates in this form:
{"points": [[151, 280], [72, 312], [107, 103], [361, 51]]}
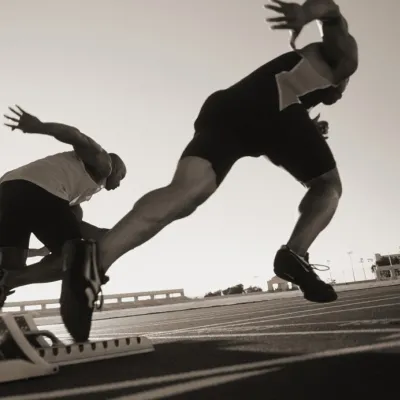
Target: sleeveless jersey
{"points": [[288, 79], [64, 175]]}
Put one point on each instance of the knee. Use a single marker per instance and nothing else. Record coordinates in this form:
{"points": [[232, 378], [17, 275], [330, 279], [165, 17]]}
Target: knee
{"points": [[327, 188], [331, 189], [328, 185]]}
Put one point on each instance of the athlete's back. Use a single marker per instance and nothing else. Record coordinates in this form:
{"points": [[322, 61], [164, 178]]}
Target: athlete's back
{"points": [[295, 76]]}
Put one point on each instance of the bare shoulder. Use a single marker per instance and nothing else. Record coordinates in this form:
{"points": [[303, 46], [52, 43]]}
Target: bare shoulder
{"points": [[97, 161], [338, 44]]}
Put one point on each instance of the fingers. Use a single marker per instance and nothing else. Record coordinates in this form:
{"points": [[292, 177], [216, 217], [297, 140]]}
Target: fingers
{"points": [[316, 119], [276, 19], [11, 118], [20, 109], [19, 113], [273, 8], [284, 26], [13, 127], [280, 2]]}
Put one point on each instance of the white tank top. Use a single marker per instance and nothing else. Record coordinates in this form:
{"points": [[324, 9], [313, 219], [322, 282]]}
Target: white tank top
{"points": [[63, 174]]}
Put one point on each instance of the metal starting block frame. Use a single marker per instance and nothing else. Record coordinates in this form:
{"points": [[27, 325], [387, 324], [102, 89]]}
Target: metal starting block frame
{"points": [[25, 353]]}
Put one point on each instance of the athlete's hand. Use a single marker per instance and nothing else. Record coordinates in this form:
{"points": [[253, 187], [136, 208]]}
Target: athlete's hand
{"points": [[23, 121], [293, 18], [322, 126]]}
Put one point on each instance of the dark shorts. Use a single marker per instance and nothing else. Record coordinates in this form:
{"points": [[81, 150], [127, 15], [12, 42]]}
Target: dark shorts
{"points": [[226, 132], [26, 208]]}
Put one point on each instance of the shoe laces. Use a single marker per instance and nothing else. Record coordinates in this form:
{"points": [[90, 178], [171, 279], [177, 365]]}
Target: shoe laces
{"points": [[306, 260], [99, 301], [315, 266], [100, 296]]}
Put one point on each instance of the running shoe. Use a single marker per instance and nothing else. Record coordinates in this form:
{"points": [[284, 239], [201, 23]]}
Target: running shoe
{"points": [[298, 270], [81, 287]]}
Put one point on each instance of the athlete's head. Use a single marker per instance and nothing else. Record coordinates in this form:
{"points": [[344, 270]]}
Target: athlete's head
{"points": [[117, 174], [335, 93]]}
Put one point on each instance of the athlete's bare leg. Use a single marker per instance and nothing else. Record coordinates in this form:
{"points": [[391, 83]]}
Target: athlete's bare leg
{"points": [[49, 268], [193, 183], [316, 211]]}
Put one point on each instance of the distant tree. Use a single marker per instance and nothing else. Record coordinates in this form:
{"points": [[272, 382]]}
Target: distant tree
{"points": [[253, 289], [238, 289], [213, 294]]}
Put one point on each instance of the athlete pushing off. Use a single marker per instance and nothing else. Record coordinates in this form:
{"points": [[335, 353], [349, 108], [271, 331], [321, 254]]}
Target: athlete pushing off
{"points": [[265, 113], [44, 197]]}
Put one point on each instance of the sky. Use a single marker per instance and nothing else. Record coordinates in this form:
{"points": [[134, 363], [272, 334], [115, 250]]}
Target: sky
{"points": [[133, 76]]}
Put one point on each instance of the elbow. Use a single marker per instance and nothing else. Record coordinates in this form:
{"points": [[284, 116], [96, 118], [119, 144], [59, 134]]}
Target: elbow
{"points": [[354, 65], [104, 165]]}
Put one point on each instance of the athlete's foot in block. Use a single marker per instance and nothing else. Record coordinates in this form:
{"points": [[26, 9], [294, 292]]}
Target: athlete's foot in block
{"points": [[81, 288], [5, 290], [295, 269]]}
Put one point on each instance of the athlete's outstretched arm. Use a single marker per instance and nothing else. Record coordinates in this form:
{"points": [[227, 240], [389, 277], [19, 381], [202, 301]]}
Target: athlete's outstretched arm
{"points": [[339, 46], [91, 153]]}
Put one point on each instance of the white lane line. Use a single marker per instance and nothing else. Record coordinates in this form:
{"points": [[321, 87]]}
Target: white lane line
{"points": [[192, 386], [134, 383], [260, 328], [279, 317], [340, 323], [295, 333], [97, 324], [219, 313], [213, 327], [390, 337], [232, 324]]}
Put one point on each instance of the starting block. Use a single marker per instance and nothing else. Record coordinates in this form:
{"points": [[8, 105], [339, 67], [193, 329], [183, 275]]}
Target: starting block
{"points": [[25, 353]]}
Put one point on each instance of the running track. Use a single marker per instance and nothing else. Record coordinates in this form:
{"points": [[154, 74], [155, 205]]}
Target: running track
{"points": [[273, 349]]}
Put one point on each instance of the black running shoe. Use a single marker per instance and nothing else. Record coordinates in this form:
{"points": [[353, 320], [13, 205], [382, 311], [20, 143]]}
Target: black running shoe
{"points": [[295, 269], [81, 287]]}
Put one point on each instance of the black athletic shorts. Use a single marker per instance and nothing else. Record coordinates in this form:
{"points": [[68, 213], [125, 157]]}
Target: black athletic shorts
{"points": [[228, 129], [26, 208]]}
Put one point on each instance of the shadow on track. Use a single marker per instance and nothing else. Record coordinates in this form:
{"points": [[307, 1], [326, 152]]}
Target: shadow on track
{"points": [[353, 375]]}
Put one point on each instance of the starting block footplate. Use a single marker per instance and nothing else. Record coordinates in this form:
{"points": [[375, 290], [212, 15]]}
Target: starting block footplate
{"points": [[25, 353]]}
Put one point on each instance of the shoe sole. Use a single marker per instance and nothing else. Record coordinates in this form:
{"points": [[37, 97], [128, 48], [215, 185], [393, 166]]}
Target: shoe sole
{"points": [[324, 294], [75, 314]]}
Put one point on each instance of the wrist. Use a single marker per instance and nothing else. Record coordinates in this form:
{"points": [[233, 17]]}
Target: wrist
{"points": [[40, 127]]}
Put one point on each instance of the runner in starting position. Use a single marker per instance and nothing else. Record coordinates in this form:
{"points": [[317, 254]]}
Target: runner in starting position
{"points": [[44, 198]]}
